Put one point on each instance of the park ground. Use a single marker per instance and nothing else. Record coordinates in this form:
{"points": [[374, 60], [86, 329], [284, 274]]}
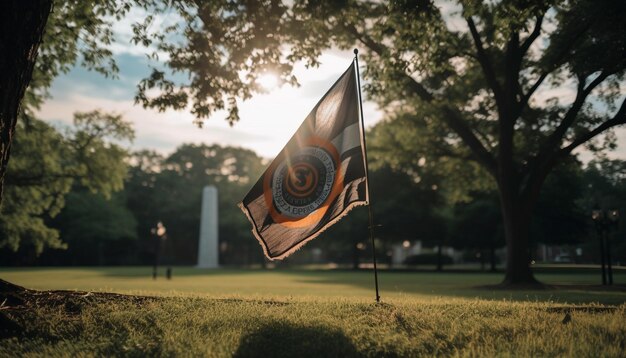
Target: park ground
{"points": [[123, 312]]}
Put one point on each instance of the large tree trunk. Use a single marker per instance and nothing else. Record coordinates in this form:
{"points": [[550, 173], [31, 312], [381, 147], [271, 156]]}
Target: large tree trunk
{"points": [[22, 24], [516, 218]]}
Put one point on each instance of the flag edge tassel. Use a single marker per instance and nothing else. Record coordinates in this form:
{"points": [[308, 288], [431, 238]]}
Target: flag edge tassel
{"points": [[299, 245]]}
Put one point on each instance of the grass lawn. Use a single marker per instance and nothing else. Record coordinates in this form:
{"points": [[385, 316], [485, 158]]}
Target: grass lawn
{"points": [[310, 313]]}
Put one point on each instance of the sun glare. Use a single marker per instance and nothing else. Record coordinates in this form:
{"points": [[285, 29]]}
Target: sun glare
{"points": [[268, 81]]}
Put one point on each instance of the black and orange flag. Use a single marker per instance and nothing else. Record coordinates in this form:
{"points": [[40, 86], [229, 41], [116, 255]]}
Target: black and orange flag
{"points": [[316, 179]]}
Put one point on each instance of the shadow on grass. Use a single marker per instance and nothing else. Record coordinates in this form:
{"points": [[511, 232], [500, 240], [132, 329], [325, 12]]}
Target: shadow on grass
{"points": [[561, 288], [279, 339], [561, 284]]}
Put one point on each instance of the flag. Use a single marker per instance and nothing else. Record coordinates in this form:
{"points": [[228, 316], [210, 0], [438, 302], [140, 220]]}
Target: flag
{"points": [[316, 179]]}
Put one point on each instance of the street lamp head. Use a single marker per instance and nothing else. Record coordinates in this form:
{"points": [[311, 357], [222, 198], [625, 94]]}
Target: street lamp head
{"points": [[160, 229], [614, 215], [597, 215]]}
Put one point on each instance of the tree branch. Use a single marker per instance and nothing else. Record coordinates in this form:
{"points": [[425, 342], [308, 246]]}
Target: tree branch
{"points": [[547, 158], [532, 37], [379, 48], [485, 63], [581, 96], [513, 63], [484, 157], [547, 151], [446, 151], [553, 66], [531, 90], [618, 119], [451, 115]]}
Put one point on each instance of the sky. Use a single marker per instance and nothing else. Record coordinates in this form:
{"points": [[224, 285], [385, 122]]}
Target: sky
{"points": [[267, 121]]}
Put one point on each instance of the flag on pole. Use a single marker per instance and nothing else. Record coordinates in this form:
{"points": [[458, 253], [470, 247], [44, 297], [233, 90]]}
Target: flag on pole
{"points": [[316, 179]]}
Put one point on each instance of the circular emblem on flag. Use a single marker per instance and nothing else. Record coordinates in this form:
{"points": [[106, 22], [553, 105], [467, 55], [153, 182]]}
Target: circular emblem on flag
{"points": [[303, 184]]}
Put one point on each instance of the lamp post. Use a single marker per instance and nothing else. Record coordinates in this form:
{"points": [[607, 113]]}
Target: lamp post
{"points": [[158, 233], [613, 222], [604, 222]]}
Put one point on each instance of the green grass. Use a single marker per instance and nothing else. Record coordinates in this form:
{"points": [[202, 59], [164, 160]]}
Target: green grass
{"points": [[314, 313], [319, 283]]}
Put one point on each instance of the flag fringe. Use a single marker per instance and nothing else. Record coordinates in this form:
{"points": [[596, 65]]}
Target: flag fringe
{"points": [[297, 247]]}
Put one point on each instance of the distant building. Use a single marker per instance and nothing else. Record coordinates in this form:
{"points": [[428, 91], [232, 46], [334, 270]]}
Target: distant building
{"points": [[399, 252]]}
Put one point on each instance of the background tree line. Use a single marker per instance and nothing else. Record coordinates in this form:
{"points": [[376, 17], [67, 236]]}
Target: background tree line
{"points": [[92, 202]]}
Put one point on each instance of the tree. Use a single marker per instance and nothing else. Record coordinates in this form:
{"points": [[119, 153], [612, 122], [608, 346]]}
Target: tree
{"points": [[170, 190], [404, 209], [473, 78], [95, 229], [21, 28], [38, 42], [560, 218], [47, 163], [478, 225]]}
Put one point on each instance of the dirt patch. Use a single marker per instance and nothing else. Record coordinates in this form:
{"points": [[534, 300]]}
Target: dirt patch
{"points": [[18, 303], [14, 297]]}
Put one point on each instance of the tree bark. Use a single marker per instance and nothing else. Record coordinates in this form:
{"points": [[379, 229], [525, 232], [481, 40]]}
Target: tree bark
{"points": [[22, 26], [516, 218]]}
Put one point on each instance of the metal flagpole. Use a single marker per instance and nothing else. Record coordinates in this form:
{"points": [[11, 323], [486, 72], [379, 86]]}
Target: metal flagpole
{"points": [[367, 173]]}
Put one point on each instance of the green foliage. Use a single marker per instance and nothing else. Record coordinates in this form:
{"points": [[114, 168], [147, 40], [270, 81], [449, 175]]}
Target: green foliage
{"points": [[223, 47], [450, 64], [477, 224], [409, 143], [560, 218], [97, 230], [403, 209], [46, 163], [101, 162], [170, 189], [76, 32], [443, 59], [35, 186]]}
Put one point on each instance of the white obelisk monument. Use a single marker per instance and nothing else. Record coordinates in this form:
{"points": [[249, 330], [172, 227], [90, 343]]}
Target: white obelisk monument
{"points": [[208, 242]]}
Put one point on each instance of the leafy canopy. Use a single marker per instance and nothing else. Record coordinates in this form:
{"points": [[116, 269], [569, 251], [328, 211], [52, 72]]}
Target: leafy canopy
{"points": [[46, 163]]}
